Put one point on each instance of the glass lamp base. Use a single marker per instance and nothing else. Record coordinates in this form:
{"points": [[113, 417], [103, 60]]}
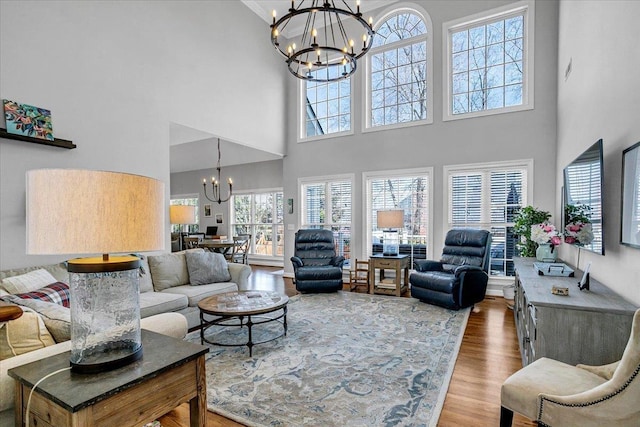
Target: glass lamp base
{"points": [[107, 359], [105, 313], [390, 243]]}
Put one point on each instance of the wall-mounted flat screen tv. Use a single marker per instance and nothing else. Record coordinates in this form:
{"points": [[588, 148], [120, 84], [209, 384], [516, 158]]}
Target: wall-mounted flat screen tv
{"points": [[583, 214]]}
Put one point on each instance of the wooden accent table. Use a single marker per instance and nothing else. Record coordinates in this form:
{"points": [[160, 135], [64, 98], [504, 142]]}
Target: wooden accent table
{"points": [[170, 373], [240, 305], [398, 263]]}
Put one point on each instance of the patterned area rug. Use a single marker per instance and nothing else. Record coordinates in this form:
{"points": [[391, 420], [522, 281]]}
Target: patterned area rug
{"points": [[348, 359]]}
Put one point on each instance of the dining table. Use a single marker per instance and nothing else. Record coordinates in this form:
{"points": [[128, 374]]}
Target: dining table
{"points": [[217, 245]]}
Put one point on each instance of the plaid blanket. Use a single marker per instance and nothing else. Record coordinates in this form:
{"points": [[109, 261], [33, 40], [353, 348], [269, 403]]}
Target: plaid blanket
{"points": [[57, 293]]}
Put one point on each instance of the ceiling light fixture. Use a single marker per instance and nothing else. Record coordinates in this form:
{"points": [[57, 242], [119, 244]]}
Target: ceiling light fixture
{"points": [[326, 50], [215, 184]]}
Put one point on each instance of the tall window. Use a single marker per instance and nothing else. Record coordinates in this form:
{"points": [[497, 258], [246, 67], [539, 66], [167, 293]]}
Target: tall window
{"points": [[398, 71], [406, 190], [326, 203], [326, 108], [261, 215], [488, 196], [189, 200], [490, 62]]}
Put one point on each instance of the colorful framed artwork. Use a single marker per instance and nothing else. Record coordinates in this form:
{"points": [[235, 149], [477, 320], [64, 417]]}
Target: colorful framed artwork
{"points": [[207, 210], [218, 218], [27, 120]]}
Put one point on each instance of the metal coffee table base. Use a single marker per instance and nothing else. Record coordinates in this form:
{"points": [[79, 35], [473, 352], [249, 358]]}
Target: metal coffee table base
{"points": [[249, 323]]}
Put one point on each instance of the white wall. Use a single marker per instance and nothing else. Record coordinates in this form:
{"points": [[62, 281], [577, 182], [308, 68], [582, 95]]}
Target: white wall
{"points": [[114, 74], [519, 135], [246, 177], [601, 99]]}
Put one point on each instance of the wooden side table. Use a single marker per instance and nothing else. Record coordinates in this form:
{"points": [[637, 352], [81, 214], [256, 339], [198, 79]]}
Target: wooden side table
{"points": [[170, 373], [397, 263]]}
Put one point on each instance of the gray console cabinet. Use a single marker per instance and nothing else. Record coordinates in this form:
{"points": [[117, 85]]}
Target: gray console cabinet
{"points": [[589, 326]]}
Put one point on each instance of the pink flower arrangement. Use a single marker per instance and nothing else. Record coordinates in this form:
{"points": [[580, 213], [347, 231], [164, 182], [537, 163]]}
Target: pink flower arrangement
{"points": [[545, 233]]}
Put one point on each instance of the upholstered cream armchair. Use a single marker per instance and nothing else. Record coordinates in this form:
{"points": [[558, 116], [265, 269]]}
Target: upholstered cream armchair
{"points": [[556, 394]]}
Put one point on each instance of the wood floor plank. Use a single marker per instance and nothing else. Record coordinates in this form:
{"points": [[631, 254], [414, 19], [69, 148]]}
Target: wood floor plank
{"points": [[488, 355]]}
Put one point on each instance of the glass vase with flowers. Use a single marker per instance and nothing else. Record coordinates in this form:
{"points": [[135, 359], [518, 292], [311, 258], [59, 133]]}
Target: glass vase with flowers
{"points": [[547, 237]]}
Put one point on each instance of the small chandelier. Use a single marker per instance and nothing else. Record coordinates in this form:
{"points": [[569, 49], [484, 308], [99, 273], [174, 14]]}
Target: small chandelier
{"points": [[325, 51], [215, 184]]}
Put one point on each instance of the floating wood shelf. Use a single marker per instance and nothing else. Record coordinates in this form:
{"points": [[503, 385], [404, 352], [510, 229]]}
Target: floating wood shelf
{"points": [[62, 143]]}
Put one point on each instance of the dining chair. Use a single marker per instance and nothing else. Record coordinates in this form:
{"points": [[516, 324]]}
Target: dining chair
{"points": [[192, 242], [240, 248]]}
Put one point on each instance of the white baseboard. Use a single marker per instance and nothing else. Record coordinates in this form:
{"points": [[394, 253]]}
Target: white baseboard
{"points": [[266, 262]]}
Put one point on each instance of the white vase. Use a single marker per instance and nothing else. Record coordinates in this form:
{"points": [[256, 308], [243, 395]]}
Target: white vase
{"points": [[546, 253]]}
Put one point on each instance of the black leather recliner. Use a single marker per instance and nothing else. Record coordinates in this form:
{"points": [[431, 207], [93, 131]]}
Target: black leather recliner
{"points": [[315, 264], [460, 278]]}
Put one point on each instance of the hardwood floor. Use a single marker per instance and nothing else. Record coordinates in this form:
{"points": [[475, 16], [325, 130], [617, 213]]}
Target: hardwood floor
{"points": [[488, 355]]}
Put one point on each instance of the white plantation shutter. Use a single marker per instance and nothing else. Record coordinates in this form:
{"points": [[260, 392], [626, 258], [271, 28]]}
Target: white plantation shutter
{"points": [[327, 203], [488, 197], [314, 203], [409, 191]]}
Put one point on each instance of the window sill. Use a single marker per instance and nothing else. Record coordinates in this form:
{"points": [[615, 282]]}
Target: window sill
{"points": [[325, 136], [449, 117], [397, 126]]}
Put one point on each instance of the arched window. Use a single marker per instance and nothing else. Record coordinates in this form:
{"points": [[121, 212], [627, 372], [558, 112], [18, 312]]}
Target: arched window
{"points": [[399, 71]]}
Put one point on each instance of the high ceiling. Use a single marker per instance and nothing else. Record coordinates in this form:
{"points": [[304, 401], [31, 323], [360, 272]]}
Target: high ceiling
{"points": [[192, 149], [264, 8]]}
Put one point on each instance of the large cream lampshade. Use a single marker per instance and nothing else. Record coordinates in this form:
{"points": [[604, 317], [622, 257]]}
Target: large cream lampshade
{"points": [[390, 221], [72, 211]]}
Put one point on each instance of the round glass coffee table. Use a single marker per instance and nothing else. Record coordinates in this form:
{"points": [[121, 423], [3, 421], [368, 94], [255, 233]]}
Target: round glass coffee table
{"points": [[242, 308]]}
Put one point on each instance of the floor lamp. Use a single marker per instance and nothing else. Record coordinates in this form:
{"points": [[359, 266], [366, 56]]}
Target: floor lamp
{"points": [[390, 221], [180, 215], [72, 211]]}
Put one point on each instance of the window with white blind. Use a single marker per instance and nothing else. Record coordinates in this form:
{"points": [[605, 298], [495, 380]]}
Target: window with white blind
{"points": [[261, 215], [488, 196], [489, 59], [326, 203], [410, 191]]}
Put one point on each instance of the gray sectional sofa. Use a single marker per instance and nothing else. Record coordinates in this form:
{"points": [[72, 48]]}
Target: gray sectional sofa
{"points": [[169, 297]]}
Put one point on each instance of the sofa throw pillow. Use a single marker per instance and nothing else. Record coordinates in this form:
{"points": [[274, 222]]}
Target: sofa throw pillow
{"points": [[146, 284], [28, 282], [207, 267], [56, 318], [24, 334], [168, 270], [57, 293]]}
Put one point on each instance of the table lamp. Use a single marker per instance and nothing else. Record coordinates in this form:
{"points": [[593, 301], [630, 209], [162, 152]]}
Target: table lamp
{"points": [[182, 214], [390, 221], [72, 211]]}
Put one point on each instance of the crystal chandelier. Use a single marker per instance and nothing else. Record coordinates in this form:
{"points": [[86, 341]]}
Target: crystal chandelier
{"points": [[326, 51], [215, 184]]}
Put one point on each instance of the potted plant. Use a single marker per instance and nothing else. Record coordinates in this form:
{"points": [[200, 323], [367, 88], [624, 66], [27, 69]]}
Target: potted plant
{"points": [[525, 218]]}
